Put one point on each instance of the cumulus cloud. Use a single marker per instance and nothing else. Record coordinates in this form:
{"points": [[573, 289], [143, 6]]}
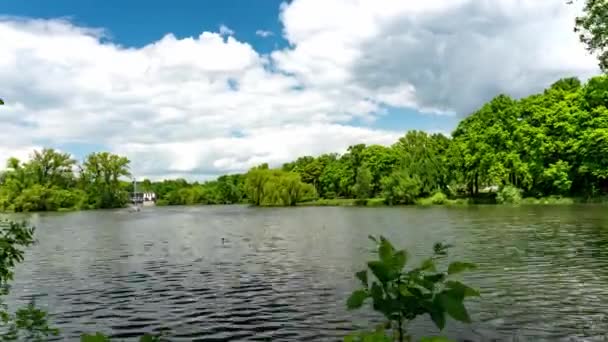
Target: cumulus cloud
{"points": [[195, 106], [200, 106], [264, 33], [442, 55]]}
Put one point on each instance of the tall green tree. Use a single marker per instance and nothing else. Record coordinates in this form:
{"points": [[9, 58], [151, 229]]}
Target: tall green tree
{"points": [[592, 28], [100, 176]]}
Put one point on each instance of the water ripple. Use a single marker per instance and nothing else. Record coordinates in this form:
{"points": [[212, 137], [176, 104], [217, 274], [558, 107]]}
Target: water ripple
{"points": [[283, 274]]}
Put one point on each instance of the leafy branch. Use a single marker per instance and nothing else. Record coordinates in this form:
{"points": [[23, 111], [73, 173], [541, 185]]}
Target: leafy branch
{"points": [[401, 296]]}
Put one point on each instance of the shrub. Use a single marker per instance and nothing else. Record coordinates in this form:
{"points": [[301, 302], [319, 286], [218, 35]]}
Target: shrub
{"points": [[437, 199], [400, 295], [400, 188], [509, 195], [375, 202]]}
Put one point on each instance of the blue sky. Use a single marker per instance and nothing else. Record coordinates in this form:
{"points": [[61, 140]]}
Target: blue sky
{"points": [[221, 97], [138, 22]]}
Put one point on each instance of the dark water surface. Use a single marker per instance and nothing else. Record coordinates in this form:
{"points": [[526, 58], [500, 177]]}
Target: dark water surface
{"points": [[284, 274]]}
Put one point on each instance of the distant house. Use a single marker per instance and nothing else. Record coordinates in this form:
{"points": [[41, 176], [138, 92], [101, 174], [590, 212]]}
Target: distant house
{"points": [[141, 197]]}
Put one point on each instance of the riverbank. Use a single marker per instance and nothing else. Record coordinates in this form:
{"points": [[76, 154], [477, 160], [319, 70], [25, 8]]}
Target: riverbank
{"points": [[435, 200]]}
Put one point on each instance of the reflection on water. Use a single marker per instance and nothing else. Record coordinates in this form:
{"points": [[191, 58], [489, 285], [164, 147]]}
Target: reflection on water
{"points": [[284, 274]]}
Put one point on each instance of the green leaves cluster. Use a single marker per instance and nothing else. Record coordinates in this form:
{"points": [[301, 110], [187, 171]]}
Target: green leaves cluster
{"points": [[402, 295], [51, 180], [276, 187], [227, 189]]}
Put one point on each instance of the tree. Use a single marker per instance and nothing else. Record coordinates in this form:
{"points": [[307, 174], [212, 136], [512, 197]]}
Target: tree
{"points": [[255, 185], [593, 30], [100, 175], [422, 154], [400, 188], [51, 167], [363, 186]]}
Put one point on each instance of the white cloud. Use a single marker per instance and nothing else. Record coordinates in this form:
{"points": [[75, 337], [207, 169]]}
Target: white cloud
{"points": [[450, 55], [264, 33], [169, 106], [225, 30], [210, 104]]}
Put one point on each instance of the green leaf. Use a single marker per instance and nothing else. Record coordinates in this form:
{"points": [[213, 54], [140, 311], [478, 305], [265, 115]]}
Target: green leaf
{"points": [[454, 307], [428, 265], [435, 278], [435, 339], [373, 238], [381, 271], [98, 337], [457, 267], [1, 102], [356, 299], [438, 317], [385, 250], [403, 289], [399, 260], [376, 292], [362, 276], [462, 289], [441, 248]]}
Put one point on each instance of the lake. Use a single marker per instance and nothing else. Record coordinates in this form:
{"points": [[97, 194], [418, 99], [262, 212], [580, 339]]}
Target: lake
{"points": [[284, 274]]}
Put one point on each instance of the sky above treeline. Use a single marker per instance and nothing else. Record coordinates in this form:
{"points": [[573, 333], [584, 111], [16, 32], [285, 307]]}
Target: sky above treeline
{"points": [[195, 89]]}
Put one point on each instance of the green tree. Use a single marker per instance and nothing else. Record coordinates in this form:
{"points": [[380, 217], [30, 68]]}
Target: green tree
{"points": [[363, 186], [49, 167], [400, 188], [255, 185], [593, 29], [100, 176]]}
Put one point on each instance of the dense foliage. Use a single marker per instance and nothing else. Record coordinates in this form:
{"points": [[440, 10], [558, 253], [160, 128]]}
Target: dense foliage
{"points": [[549, 144], [401, 296], [52, 180]]}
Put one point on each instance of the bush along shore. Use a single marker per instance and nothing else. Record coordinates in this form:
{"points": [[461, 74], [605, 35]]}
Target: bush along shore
{"points": [[547, 148]]}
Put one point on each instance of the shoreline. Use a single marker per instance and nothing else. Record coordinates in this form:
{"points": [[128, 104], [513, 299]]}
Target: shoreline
{"points": [[372, 203]]}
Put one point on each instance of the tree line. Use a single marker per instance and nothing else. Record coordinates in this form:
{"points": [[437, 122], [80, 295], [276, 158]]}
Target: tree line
{"points": [[52, 180], [554, 143]]}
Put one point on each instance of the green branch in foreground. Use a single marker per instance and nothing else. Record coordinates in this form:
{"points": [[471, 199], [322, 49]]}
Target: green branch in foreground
{"points": [[401, 296]]}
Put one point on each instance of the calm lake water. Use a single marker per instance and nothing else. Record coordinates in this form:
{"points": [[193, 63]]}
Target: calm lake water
{"points": [[284, 274]]}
